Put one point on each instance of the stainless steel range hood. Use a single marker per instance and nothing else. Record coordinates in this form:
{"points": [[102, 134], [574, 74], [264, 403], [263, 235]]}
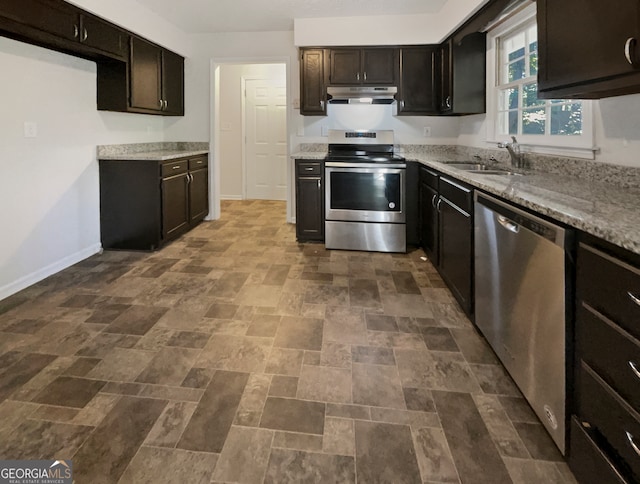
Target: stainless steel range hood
{"points": [[362, 94]]}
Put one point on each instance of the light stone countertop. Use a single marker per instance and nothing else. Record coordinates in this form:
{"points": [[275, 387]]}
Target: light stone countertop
{"points": [[158, 151], [158, 155], [601, 209]]}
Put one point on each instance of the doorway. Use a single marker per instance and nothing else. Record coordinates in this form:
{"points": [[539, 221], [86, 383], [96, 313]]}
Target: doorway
{"points": [[265, 139], [252, 131]]}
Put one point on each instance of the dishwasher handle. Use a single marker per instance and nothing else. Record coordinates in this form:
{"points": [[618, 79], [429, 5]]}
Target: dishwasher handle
{"points": [[508, 224], [514, 219]]}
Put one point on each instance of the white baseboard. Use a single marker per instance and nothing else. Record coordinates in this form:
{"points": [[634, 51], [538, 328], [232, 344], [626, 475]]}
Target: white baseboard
{"points": [[230, 197], [37, 276]]}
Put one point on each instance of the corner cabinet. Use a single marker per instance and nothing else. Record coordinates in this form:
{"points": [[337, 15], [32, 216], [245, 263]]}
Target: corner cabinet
{"points": [[605, 422], [417, 86], [146, 203], [313, 90], [588, 48], [309, 200], [463, 75]]}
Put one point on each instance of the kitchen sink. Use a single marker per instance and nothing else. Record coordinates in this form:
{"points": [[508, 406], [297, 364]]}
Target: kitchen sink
{"points": [[497, 172], [481, 168]]}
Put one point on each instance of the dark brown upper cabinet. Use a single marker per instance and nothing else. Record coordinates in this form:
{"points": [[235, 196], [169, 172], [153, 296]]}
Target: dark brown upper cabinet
{"points": [[152, 82], [157, 78], [417, 86], [463, 75], [588, 49], [61, 26], [368, 66], [313, 91]]}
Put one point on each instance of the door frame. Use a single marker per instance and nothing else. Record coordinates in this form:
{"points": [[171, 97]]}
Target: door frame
{"points": [[214, 130], [243, 86]]}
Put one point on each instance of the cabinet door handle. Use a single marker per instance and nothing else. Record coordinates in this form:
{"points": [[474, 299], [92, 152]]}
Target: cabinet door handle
{"points": [[433, 200], [634, 298], [447, 102], [161, 103], [322, 104], [76, 31], [628, 46], [365, 75], [634, 368], [84, 35], [318, 181], [632, 443], [166, 103], [438, 205], [358, 76]]}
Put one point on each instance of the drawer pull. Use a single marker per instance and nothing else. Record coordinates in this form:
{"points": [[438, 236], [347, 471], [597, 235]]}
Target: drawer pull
{"points": [[176, 167], [310, 168], [634, 298], [634, 368], [632, 443]]}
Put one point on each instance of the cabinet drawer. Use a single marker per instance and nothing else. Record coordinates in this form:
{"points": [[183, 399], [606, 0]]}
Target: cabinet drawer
{"points": [[587, 461], [612, 352], [610, 417], [429, 178], [456, 193], [610, 286], [198, 163], [174, 168], [309, 168]]}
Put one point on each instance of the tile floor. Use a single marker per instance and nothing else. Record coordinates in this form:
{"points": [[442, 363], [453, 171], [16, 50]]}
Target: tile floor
{"points": [[237, 355]]}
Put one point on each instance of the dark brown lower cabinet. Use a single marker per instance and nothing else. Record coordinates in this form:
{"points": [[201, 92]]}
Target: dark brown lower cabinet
{"points": [[446, 232], [309, 201], [145, 204], [429, 214], [604, 442]]}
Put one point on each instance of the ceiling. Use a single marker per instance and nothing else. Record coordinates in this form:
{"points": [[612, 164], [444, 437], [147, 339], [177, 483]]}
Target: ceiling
{"points": [[207, 16]]}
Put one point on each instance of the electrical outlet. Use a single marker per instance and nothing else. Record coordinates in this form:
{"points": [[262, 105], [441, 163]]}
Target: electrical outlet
{"points": [[30, 129], [296, 103], [426, 132]]}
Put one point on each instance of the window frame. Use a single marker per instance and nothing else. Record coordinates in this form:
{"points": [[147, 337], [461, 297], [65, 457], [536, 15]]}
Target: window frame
{"points": [[582, 146]]}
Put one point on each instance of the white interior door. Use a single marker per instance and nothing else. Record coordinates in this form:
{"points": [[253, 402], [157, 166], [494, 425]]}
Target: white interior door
{"points": [[266, 139]]}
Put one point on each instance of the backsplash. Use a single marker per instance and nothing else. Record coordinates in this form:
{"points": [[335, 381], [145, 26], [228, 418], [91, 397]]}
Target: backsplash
{"points": [[622, 176]]}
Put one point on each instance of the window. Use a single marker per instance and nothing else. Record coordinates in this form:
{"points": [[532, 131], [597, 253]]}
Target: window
{"points": [[555, 126]]}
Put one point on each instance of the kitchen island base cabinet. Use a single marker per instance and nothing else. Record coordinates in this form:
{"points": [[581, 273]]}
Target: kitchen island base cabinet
{"points": [[309, 201], [145, 203]]}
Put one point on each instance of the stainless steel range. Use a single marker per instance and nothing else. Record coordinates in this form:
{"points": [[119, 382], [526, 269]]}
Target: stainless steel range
{"points": [[365, 192]]}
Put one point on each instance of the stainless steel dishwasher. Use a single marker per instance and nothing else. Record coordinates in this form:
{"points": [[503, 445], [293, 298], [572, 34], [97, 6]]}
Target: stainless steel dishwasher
{"points": [[520, 303]]}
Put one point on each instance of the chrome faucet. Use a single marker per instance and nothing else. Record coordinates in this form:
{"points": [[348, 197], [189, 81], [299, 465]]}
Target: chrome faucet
{"points": [[517, 159]]}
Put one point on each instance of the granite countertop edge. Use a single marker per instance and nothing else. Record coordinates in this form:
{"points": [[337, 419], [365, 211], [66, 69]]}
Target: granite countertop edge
{"points": [[603, 210], [157, 155]]}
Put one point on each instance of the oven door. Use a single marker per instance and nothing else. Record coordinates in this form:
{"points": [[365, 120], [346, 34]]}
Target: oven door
{"points": [[365, 192]]}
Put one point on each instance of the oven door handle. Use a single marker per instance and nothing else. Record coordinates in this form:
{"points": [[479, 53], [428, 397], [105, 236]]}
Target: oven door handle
{"points": [[338, 164]]}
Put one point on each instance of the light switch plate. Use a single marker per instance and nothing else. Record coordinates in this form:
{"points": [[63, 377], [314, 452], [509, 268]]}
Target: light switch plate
{"points": [[30, 129]]}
